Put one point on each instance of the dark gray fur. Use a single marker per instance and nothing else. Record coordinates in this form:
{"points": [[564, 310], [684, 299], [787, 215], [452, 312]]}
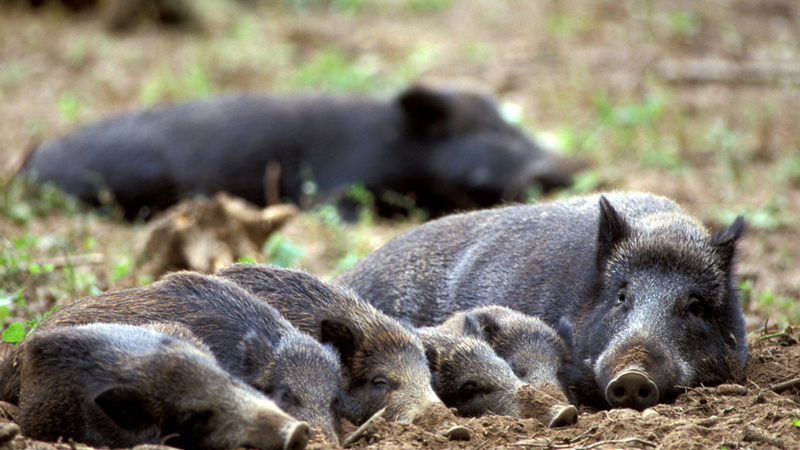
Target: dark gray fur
{"points": [[444, 150], [537, 353], [469, 376], [383, 360], [117, 386], [250, 340], [629, 270]]}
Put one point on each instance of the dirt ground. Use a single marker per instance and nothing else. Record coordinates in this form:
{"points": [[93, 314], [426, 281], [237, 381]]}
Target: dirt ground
{"points": [[696, 100]]}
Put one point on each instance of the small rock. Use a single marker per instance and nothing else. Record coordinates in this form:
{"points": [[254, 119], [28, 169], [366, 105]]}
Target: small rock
{"points": [[8, 431], [649, 414], [731, 389], [458, 433]]}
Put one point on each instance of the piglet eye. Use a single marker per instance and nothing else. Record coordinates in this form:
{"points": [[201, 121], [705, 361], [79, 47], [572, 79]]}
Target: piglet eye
{"points": [[380, 382], [468, 390], [286, 397]]}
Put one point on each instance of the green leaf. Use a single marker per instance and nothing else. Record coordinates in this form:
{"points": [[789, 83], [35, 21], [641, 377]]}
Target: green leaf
{"points": [[14, 333], [796, 422]]}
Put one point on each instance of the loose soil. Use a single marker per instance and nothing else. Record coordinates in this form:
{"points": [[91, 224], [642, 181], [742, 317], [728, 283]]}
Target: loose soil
{"points": [[724, 142]]}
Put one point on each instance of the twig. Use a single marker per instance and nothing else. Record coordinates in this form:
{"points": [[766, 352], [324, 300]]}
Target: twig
{"points": [[618, 441], [482, 444], [582, 436], [785, 386], [770, 336], [356, 435], [547, 444]]}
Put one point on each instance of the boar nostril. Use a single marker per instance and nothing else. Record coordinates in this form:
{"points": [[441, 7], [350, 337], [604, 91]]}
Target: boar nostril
{"points": [[297, 437], [564, 417], [632, 389]]}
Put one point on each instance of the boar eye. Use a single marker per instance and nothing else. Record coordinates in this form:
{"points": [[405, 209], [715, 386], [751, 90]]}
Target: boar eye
{"points": [[519, 370], [622, 296], [379, 382], [694, 307]]}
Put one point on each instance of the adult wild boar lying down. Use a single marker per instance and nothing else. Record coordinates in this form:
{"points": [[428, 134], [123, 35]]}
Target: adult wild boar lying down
{"points": [[649, 291], [446, 150]]}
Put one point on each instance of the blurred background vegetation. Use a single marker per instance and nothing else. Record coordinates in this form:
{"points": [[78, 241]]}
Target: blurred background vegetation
{"points": [[696, 100]]}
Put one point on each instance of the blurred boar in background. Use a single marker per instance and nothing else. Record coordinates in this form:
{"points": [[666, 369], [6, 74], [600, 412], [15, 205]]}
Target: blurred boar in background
{"points": [[444, 151]]}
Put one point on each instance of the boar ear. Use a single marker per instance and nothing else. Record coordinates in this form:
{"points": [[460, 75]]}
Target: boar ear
{"points": [[427, 112], [126, 407], [611, 230], [725, 242], [341, 336]]}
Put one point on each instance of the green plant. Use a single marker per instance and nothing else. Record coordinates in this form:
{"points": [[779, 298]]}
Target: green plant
{"points": [[785, 310], [12, 75], [23, 200], [70, 107], [684, 22], [347, 6], [282, 251], [122, 269], [428, 6], [562, 25], [77, 53], [331, 70], [194, 81], [16, 331], [348, 241], [361, 196], [584, 182], [732, 156], [769, 216], [787, 170]]}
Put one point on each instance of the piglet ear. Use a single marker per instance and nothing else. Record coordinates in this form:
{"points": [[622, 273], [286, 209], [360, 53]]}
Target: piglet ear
{"points": [[257, 352], [342, 336], [564, 331], [725, 243], [432, 355], [428, 113], [489, 327], [126, 406], [611, 231], [472, 326]]}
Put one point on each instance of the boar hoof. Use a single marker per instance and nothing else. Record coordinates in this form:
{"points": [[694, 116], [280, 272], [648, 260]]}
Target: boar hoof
{"points": [[563, 416], [296, 437], [632, 389]]}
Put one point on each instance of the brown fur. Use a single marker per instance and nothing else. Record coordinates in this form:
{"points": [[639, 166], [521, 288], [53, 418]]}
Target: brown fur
{"points": [[383, 360]]}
